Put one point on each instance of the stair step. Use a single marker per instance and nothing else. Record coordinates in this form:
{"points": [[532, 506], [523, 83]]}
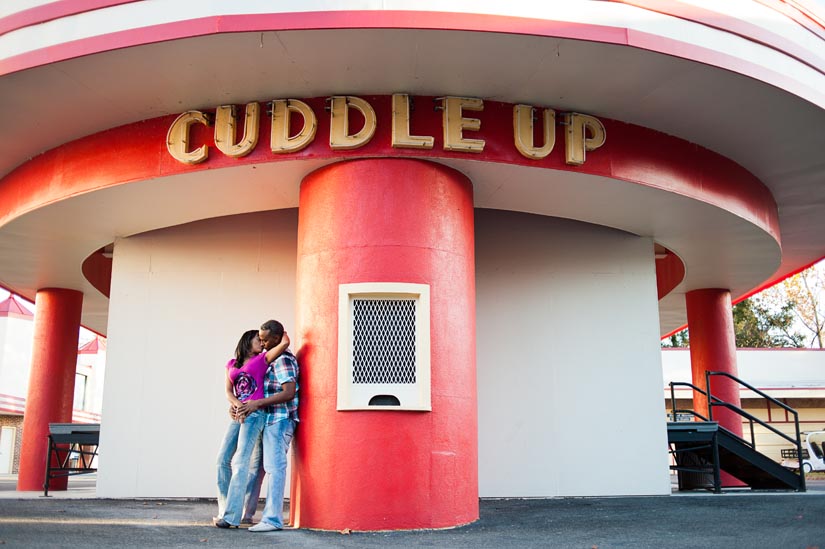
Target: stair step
{"points": [[694, 445]]}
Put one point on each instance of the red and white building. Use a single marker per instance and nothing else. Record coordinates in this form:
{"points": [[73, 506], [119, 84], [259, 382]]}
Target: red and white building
{"points": [[446, 203]]}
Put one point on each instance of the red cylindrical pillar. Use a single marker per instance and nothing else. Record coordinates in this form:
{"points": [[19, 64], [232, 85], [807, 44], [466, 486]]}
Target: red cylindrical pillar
{"points": [[51, 382], [387, 220], [713, 349]]}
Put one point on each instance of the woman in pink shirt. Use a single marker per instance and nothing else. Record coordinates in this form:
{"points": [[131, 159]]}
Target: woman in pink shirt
{"points": [[240, 455]]}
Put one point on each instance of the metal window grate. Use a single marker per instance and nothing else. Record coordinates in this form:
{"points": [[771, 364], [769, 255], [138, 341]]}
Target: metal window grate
{"points": [[383, 349]]}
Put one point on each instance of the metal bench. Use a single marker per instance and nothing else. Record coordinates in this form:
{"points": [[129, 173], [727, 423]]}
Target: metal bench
{"points": [[72, 449]]}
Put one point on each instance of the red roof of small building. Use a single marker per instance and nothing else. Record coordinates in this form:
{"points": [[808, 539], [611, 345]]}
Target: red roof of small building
{"points": [[92, 347], [11, 307]]}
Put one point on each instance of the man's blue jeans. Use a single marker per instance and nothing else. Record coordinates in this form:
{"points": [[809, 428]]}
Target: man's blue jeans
{"points": [[277, 437], [239, 469]]}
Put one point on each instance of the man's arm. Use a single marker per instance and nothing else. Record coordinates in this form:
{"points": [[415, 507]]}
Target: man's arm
{"points": [[286, 394], [278, 350]]}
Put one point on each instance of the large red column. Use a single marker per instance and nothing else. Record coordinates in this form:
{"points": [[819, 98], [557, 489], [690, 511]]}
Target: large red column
{"points": [[386, 220], [51, 382], [713, 348]]}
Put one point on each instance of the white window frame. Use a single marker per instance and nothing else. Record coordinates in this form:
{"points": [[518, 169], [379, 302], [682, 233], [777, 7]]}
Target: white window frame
{"points": [[80, 392], [412, 396]]}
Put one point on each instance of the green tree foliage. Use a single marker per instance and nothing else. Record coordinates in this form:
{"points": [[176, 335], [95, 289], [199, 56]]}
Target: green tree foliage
{"points": [[806, 290], [776, 316], [679, 339], [758, 326]]}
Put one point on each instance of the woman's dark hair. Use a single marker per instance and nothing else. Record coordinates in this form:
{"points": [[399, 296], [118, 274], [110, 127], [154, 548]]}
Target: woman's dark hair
{"points": [[244, 349]]}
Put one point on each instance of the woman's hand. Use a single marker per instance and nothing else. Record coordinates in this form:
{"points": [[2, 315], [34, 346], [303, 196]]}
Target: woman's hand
{"points": [[234, 414], [248, 407]]}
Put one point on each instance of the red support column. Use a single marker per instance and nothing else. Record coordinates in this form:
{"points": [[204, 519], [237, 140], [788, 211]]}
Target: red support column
{"points": [[713, 349], [386, 220], [51, 382]]}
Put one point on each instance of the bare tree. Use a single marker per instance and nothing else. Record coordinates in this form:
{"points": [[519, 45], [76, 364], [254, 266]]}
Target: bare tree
{"points": [[805, 291]]}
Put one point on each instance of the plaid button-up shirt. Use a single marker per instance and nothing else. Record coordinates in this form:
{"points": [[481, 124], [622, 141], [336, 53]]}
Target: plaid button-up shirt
{"points": [[283, 370]]}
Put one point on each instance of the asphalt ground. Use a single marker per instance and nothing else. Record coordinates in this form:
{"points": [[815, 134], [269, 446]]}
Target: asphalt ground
{"points": [[693, 520]]}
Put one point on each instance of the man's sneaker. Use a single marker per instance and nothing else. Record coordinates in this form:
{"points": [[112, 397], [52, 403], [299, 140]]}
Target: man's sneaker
{"points": [[263, 527], [220, 523]]}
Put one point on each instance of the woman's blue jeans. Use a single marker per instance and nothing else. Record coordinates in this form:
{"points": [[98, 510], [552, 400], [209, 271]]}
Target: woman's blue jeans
{"points": [[239, 469]]}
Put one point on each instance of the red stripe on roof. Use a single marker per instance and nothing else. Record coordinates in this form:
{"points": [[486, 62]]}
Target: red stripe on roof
{"points": [[12, 307]]}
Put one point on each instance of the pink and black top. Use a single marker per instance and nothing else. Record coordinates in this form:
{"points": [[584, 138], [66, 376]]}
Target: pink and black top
{"points": [[248, 380]]}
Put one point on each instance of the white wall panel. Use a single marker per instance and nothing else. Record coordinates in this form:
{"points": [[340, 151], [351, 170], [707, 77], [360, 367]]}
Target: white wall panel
{"points": [[781, 373], [180, 300], [569, 370]]}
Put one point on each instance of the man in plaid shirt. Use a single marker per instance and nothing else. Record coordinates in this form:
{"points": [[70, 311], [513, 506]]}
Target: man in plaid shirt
{"points": [[281, 396]]}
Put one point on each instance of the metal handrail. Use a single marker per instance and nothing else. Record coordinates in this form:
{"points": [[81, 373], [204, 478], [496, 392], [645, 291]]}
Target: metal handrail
{"points": [[751, 419], [751, 387], [673, 399], [713, 401]]}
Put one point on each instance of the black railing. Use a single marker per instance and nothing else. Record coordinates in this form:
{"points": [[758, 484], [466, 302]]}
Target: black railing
{"points": [[713, 401], [796, 442], [675, 411], [713, 446], [71, 451]]}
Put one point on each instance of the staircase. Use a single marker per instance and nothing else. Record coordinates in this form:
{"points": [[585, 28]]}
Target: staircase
{"points": [[702, 448]]}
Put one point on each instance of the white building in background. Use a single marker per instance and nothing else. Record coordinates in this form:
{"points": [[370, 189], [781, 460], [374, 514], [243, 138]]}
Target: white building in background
{"points": [[795, 377], [88, 385], [16, 331]]}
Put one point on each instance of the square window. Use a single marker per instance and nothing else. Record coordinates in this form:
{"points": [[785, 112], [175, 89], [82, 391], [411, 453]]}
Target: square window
{"points": [[384, 347]]}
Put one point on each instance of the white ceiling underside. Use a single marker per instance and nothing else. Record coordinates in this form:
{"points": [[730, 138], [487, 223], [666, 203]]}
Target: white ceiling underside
{"points": [[776, 136]]}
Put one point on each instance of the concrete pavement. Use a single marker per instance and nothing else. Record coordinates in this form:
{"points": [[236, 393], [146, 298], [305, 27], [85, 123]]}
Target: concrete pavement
{"points": [[694, 520]]}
